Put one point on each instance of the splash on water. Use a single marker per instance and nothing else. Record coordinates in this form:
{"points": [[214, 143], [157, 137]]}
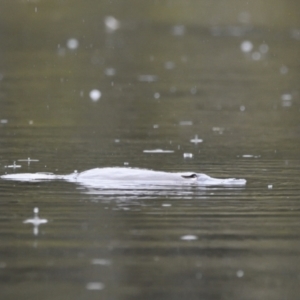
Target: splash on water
{"points": [[36, 221], [101, 262], [13, 166], [196, 140], [158, 151], [29, 160]]}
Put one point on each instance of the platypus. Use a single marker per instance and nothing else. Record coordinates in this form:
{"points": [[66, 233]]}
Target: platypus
{"points": [[118, 175]]}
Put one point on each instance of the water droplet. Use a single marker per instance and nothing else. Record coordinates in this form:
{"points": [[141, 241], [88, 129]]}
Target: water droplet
{"points": [[295, 34], [283, 69], [110, 72], [111, 24], [256, 56], [244, 17], [72, 44], [173, 89], [178, 30], [263, 48], [246, 46], [240, 273], [193, 90], [95, 95], [157, 95], [169, 65]]}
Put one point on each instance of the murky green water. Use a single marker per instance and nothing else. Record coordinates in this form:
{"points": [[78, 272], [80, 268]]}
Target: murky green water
{"points": [[167, 71]]}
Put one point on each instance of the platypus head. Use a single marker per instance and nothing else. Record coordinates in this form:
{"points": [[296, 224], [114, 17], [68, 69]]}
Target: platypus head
{"points": [[190, 176]]}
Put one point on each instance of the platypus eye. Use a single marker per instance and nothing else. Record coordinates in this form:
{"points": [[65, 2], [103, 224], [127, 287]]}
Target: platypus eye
{"points": [[189, 176]]}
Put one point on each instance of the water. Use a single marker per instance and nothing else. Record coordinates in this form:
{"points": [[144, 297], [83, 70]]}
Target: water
{"points": [[158, 81]]}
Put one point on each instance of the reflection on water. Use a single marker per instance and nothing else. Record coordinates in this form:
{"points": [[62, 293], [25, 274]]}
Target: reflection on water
{"points": [[172, 86]]}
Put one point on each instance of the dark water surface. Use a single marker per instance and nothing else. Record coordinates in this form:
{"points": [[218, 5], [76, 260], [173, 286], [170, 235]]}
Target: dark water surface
{"points": [[165, 76]]}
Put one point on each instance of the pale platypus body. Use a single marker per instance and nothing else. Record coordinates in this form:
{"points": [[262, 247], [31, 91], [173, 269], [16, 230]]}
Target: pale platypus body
{"points": [[116, 176]]}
